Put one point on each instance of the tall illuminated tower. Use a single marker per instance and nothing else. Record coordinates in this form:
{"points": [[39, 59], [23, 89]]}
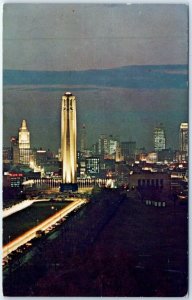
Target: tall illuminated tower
{"points": [[159, 138], [24, 144], [184, 140], [68, 142]]}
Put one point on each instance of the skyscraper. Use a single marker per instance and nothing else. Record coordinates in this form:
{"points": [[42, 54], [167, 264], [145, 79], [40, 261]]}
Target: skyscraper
{"points": [[103, 145], [24, 144], [184, 140], [159, 138], [68, 142], [128, 150], [118, 155], [92, 166], [113, 144], [83, 139], [15, 150]]}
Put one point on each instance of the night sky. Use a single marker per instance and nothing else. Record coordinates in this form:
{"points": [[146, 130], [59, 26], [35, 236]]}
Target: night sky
{"points": [[126, 64]]}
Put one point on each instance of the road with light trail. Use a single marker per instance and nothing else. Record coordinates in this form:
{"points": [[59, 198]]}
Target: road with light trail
{"points": [[20, 206], [30, 234]]}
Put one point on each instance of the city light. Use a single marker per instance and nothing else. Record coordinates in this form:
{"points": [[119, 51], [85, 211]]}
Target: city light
{"points": [[95, 150]]}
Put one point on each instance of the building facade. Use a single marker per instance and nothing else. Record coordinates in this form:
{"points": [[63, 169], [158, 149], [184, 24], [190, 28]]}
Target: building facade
{"points": [[92, 166], [24, 144], [68, 139], [15, 150], [159, 138], [103, 145], [7, 155], [143, 180], [128, 150], [184, 135], [83, 145]]}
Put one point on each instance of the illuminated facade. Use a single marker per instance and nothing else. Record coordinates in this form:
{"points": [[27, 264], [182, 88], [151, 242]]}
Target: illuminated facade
{"points": [[92, 166], [68, 139], [159, 138], [103, 145], [24, 144], [184, 140], [118, 155]]}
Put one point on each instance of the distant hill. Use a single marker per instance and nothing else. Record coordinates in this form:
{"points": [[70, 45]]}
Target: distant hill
{"points": [[148, 76]]}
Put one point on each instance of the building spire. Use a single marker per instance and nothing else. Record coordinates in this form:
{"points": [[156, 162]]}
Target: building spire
{"points": [[23, 125]]}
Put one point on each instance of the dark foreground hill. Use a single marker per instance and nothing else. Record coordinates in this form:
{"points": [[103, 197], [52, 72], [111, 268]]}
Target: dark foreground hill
{"points": [[115, 246]]}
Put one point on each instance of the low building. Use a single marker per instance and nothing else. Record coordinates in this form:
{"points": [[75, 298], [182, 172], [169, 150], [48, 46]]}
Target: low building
{"points": [[92, 166], [13, 179], [144, 180]]}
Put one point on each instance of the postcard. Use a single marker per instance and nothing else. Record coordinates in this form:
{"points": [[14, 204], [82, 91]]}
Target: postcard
{"points": [[95, 149]]}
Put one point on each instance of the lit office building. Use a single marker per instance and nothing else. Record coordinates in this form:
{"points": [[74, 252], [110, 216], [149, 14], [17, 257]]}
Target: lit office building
{"points": [[16, 179], [118, 155], [113, 144], [151, 157], [92, 166], [103, 145], [14, 150], [68, 142], [184, 140], [41, 157], [24, 144], [159, 138]]}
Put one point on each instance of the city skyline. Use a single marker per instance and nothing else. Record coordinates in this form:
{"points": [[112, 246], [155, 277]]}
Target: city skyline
{"points": [[143, 82], [95, 150], [109, 137]]}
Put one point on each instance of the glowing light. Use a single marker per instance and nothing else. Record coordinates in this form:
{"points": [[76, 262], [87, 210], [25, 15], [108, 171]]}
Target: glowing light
{"points": [[181, 166], [16, 174], [68, 138], [41, 151], [36, 168], [28, 182]]}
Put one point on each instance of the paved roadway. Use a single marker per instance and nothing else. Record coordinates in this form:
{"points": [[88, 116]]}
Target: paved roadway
{"points": [[20, 206], [30, 234]]}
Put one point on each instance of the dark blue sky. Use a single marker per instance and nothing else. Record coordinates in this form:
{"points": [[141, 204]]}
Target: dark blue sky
{"points": [[127, 65]]}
